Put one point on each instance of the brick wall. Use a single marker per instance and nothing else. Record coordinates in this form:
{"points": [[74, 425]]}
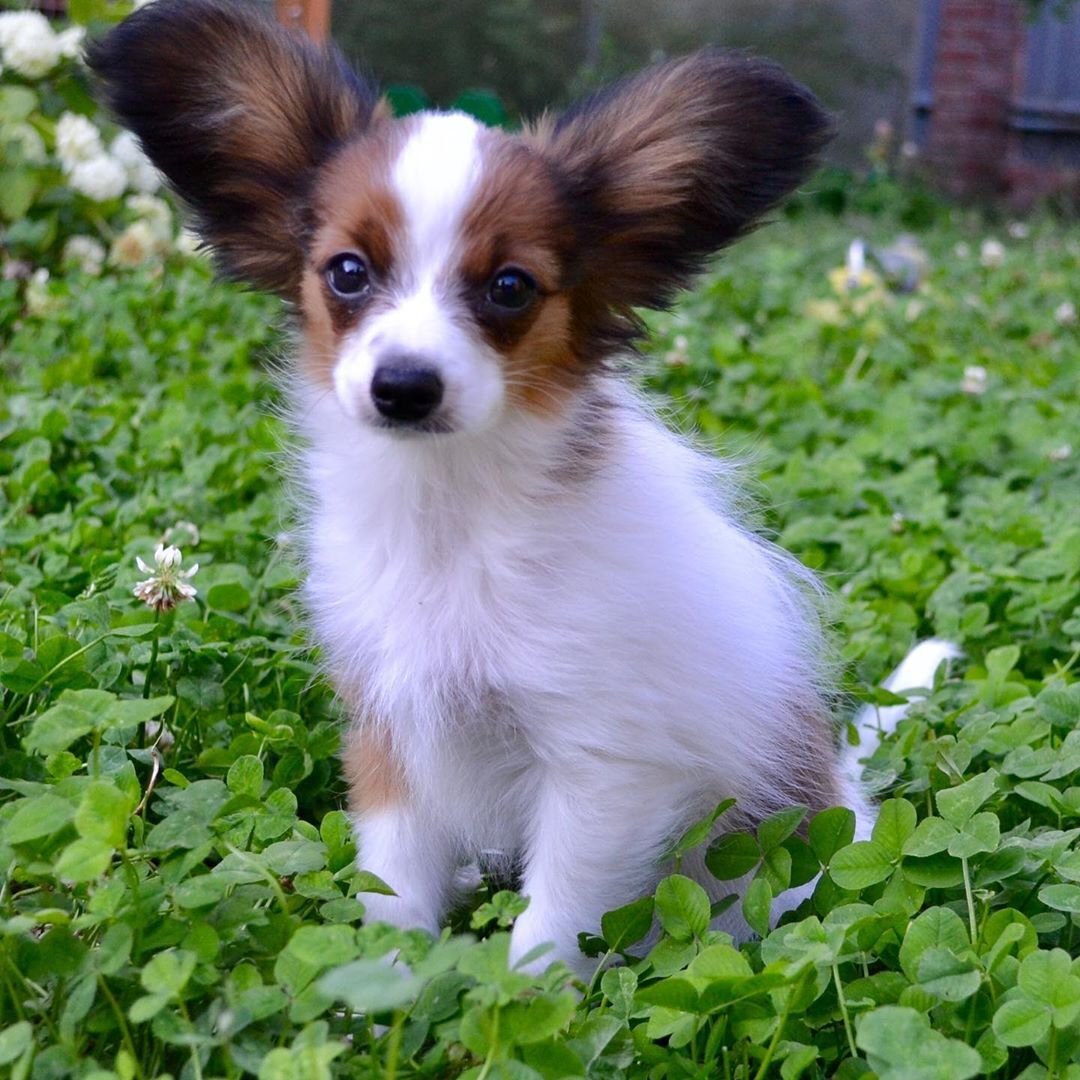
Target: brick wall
{"points": [[977, 49]]}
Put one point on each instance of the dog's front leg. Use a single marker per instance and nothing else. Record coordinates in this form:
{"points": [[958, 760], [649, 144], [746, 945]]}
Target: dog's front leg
{"points": [[596, 843], [399, 840]]}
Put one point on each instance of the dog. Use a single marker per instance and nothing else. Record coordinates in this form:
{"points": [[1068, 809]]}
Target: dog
{"points": [[552, 634]]}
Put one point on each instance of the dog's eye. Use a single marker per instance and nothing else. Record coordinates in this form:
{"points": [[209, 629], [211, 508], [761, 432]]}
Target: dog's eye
{"points": [[347, 275], [512, 289]]}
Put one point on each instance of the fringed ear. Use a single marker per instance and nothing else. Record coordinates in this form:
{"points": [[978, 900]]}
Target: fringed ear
{"points": [[237, 112], [663, 169]]}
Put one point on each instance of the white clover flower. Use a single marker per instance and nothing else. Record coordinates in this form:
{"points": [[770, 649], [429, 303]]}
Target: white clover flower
{"points": [[37, 298], [155, 212], [86, 253], [27, 43], [975, 380], [189, 244], [1061, 453], [142, 176], [71, 41], [992, 253], [135, 245], [961, 250], [31, 146], [167, 585], [77, 140], [1065, 313], [101, 178], [1018, 230]]}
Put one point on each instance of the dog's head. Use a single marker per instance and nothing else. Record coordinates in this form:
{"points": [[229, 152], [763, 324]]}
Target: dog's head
{"points": [[444, 272]]}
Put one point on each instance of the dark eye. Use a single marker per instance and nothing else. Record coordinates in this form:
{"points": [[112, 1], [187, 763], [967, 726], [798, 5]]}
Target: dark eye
{"points": [[347, 275], [512, 290]]}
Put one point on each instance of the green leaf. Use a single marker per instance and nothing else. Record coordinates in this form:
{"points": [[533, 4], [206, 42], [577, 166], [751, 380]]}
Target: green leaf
{"points": [[831, 830], [895, 823], [682, 906], [757, 906], [948, 976], [36, 817], [16, 103], [900, 1045], [1021, 1022], [673, 993], [370, 985], [104, 813], [628, 924], [84, 859], [535, 1019], [701, 830], [245, 776], [166, 973], [979, 835], [936, 928], [774, 830], [15, 1041], [1061, 897], [860, 865], [956, 805], [732, 856], [931, 836]]}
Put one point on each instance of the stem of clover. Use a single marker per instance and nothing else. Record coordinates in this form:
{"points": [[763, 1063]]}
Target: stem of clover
{"points": [[148, 681]]}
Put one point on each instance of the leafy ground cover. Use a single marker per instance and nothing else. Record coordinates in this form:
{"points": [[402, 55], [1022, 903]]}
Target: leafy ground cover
{"points": [[178, 893]]}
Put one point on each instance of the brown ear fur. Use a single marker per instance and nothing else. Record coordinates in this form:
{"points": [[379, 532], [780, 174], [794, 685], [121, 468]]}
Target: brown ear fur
{"points": [[665, 168], [236, 112]]}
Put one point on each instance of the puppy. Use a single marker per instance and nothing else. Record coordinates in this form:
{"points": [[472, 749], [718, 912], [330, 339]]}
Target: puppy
{"points": [[553, 636]]}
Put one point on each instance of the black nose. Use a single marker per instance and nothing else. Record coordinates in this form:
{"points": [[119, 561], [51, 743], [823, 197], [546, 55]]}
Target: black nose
{"points": [[406, 391]]}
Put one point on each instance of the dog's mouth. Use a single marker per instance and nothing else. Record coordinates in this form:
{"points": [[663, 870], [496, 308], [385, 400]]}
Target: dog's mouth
{"points": [[429, 425]]}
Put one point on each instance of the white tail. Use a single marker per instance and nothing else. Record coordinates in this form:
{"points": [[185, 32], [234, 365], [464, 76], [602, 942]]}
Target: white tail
{"points": [[915, 672]]}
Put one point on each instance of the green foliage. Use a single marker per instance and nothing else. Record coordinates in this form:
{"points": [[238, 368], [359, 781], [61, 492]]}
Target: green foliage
{"points": [[178, 892]]}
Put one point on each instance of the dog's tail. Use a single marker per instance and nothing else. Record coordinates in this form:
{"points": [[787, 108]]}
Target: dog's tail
{"points": [[916, 672]]}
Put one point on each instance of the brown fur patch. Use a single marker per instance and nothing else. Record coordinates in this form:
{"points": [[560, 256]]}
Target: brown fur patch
{"points": [[663, 169], [374, 775], [354, 210], [238, 113], [516, 219]]}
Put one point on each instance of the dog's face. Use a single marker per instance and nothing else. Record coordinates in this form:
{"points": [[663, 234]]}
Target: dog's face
{"points": [[445, 273]]}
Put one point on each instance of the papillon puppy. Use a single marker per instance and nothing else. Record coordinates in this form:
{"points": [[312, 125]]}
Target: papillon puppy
{"points": [[552, 634]]}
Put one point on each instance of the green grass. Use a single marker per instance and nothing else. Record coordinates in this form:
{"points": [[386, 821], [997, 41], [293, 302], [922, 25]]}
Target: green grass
{"points": [[178, 893]]}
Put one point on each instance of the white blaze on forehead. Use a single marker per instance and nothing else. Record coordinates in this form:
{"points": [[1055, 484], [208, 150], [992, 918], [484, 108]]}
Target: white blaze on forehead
{"points": [[435, 176]]}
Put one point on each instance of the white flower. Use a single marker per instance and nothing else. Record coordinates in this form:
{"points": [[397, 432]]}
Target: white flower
{"points": [[1061, 453], [992, 253], [135, 245], [71, 41], [961, 250], [37, 298], [101, 178], [188, 243], [86, 253], [77, 140], [1065, 313], [974, 381], [167, 585], [1018, 230], [142, 176], [28, 44], [155, 212], [31, 146]]}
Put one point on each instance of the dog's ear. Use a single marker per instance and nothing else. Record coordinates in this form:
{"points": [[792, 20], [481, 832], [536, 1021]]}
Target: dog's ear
{"points": [[237, 112], [663, 169]]}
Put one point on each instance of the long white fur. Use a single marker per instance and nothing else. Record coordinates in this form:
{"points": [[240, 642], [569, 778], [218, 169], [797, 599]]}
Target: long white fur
{"points": [[572, 668]]}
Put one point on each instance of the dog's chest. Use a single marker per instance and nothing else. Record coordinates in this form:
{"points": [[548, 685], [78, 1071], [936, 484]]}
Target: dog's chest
{"points": [[425, 616]]}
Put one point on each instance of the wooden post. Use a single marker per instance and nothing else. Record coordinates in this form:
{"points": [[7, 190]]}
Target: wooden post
{"points": [[311, 17]]}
